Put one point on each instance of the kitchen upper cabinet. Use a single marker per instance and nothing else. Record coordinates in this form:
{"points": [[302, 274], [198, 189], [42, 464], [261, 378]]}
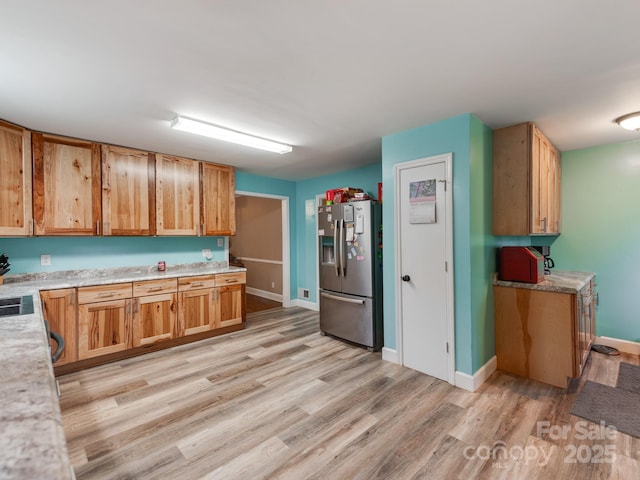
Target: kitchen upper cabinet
{"points": [[218, 199], [15, 181], [66, 186], [104, 320], [154, 311], [128, 191], [526, 182], [198, 308], [59, 307], [177, 196]]}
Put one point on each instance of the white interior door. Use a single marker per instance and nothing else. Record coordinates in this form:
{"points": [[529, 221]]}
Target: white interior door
{"points": [[424, 265]]}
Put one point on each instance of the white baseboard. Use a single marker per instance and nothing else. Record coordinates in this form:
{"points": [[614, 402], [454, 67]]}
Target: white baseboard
{"points": [[390, 355], [305, 304], [472, 382], [625, 346], [264, 294]]}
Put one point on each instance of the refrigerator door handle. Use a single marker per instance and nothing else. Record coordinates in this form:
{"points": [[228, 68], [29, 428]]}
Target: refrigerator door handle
{"points": [[343, 264], [342, 299], [336, 257]]}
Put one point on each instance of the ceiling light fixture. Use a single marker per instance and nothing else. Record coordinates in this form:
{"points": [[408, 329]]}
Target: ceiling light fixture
{"points": [[630, 121], [201, 128]]}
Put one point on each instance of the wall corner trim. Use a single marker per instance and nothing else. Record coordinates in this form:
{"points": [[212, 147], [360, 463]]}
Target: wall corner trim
{"points": [[473, 382], [390, 355]]}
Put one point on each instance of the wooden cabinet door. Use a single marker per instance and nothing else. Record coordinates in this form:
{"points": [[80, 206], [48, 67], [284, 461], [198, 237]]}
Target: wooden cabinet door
{"points": [[177, 196], [66, 186], [59, 309], [154, 319], [103, 328], [555, 179], [15, 181], [128, 191], [218, 199], [197, 311], [231, 304]]}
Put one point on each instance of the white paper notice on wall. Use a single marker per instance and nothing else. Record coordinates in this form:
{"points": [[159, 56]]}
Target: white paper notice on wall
{"points": [[422, 201], [321, 232]]}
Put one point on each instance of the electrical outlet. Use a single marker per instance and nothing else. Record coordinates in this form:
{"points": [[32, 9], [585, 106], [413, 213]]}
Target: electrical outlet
{"points": [[206, 253], [221, 242], [305, 293], [273, 284], [45, 260]]}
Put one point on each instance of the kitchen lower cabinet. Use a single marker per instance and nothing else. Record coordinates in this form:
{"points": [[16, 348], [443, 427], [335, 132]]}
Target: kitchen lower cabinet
{"points": [[104, 319], [154, 311], [197, 310], [59, 309], [231, 305], [543, 335]]}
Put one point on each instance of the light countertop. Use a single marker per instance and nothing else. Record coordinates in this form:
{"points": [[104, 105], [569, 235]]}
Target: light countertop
{"points": [[32, 443], [557, 281]]}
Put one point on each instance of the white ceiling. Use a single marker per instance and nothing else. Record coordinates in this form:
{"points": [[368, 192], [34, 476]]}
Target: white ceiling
{"points": [[330, 77]]}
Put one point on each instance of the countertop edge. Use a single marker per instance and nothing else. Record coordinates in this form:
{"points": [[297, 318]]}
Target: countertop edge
{"points": [[559, 281]]}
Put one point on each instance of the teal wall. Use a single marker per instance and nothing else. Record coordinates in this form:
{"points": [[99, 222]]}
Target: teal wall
{"points": [[482, 243], [470, 143], [246, 182], [601, 231], [366, 178], [71, 253]]}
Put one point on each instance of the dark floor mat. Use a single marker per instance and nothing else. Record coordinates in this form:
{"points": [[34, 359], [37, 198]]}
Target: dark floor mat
{"points": [[629, 378], [615, 406]]}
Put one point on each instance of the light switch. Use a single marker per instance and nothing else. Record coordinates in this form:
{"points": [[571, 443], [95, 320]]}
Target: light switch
{"points": [[45, 260]]}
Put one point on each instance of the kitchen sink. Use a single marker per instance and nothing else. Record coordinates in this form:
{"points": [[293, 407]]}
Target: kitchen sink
{"points": [[16, 306]]}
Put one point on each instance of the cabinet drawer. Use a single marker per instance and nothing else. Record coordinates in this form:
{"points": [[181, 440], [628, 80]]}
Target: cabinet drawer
{"points": [[154, 287], [231, 279], [194, 283], [100, 293]]}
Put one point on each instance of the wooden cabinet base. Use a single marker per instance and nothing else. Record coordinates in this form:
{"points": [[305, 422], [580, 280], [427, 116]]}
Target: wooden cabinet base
{"points": [[133, 352]]}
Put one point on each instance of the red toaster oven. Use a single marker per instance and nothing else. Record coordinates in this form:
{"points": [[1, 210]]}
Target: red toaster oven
{"points": [[521, 264]]}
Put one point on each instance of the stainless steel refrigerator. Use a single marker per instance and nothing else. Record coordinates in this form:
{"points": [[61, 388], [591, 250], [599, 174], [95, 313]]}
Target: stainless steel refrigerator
{"points": [[350, 253]]}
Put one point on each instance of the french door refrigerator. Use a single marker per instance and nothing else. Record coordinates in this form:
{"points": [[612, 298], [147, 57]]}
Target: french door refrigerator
{"points": [[350, 256]]}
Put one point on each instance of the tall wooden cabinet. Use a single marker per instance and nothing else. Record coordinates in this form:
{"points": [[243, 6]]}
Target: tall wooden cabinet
{"points": [[66, 186], [128, 191], [218, 200], [15, 181], [526, 182], [59, 309], [177, 196]]}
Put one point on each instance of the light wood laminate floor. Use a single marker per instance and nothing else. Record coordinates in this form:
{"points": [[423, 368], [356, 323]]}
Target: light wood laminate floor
{"points": [[278, 400]]}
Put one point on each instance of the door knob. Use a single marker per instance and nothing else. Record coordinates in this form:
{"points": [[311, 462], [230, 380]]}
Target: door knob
{"points": [[406, 278]]}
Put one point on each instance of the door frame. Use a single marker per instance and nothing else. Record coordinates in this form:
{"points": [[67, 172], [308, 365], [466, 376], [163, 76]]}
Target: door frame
{"points": [[286, 251], [450, 316]]}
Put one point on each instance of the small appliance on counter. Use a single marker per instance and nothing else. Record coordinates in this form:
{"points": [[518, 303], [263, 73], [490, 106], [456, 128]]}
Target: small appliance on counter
{"points": [[521, 264], [4, 265], [545, 250]]}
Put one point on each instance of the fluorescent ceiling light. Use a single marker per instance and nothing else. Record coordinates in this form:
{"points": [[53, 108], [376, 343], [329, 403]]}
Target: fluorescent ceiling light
{"points": [[200, 128], [630, 121]]}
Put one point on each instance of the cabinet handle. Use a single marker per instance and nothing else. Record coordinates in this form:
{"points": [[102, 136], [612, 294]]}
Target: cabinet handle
{"points": [[202, 229], [154, 289], [229, 280], [544, 224], [72, 297], [137, 305], [97, 228], [31, 226], [106, 295], [106, 228]]}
